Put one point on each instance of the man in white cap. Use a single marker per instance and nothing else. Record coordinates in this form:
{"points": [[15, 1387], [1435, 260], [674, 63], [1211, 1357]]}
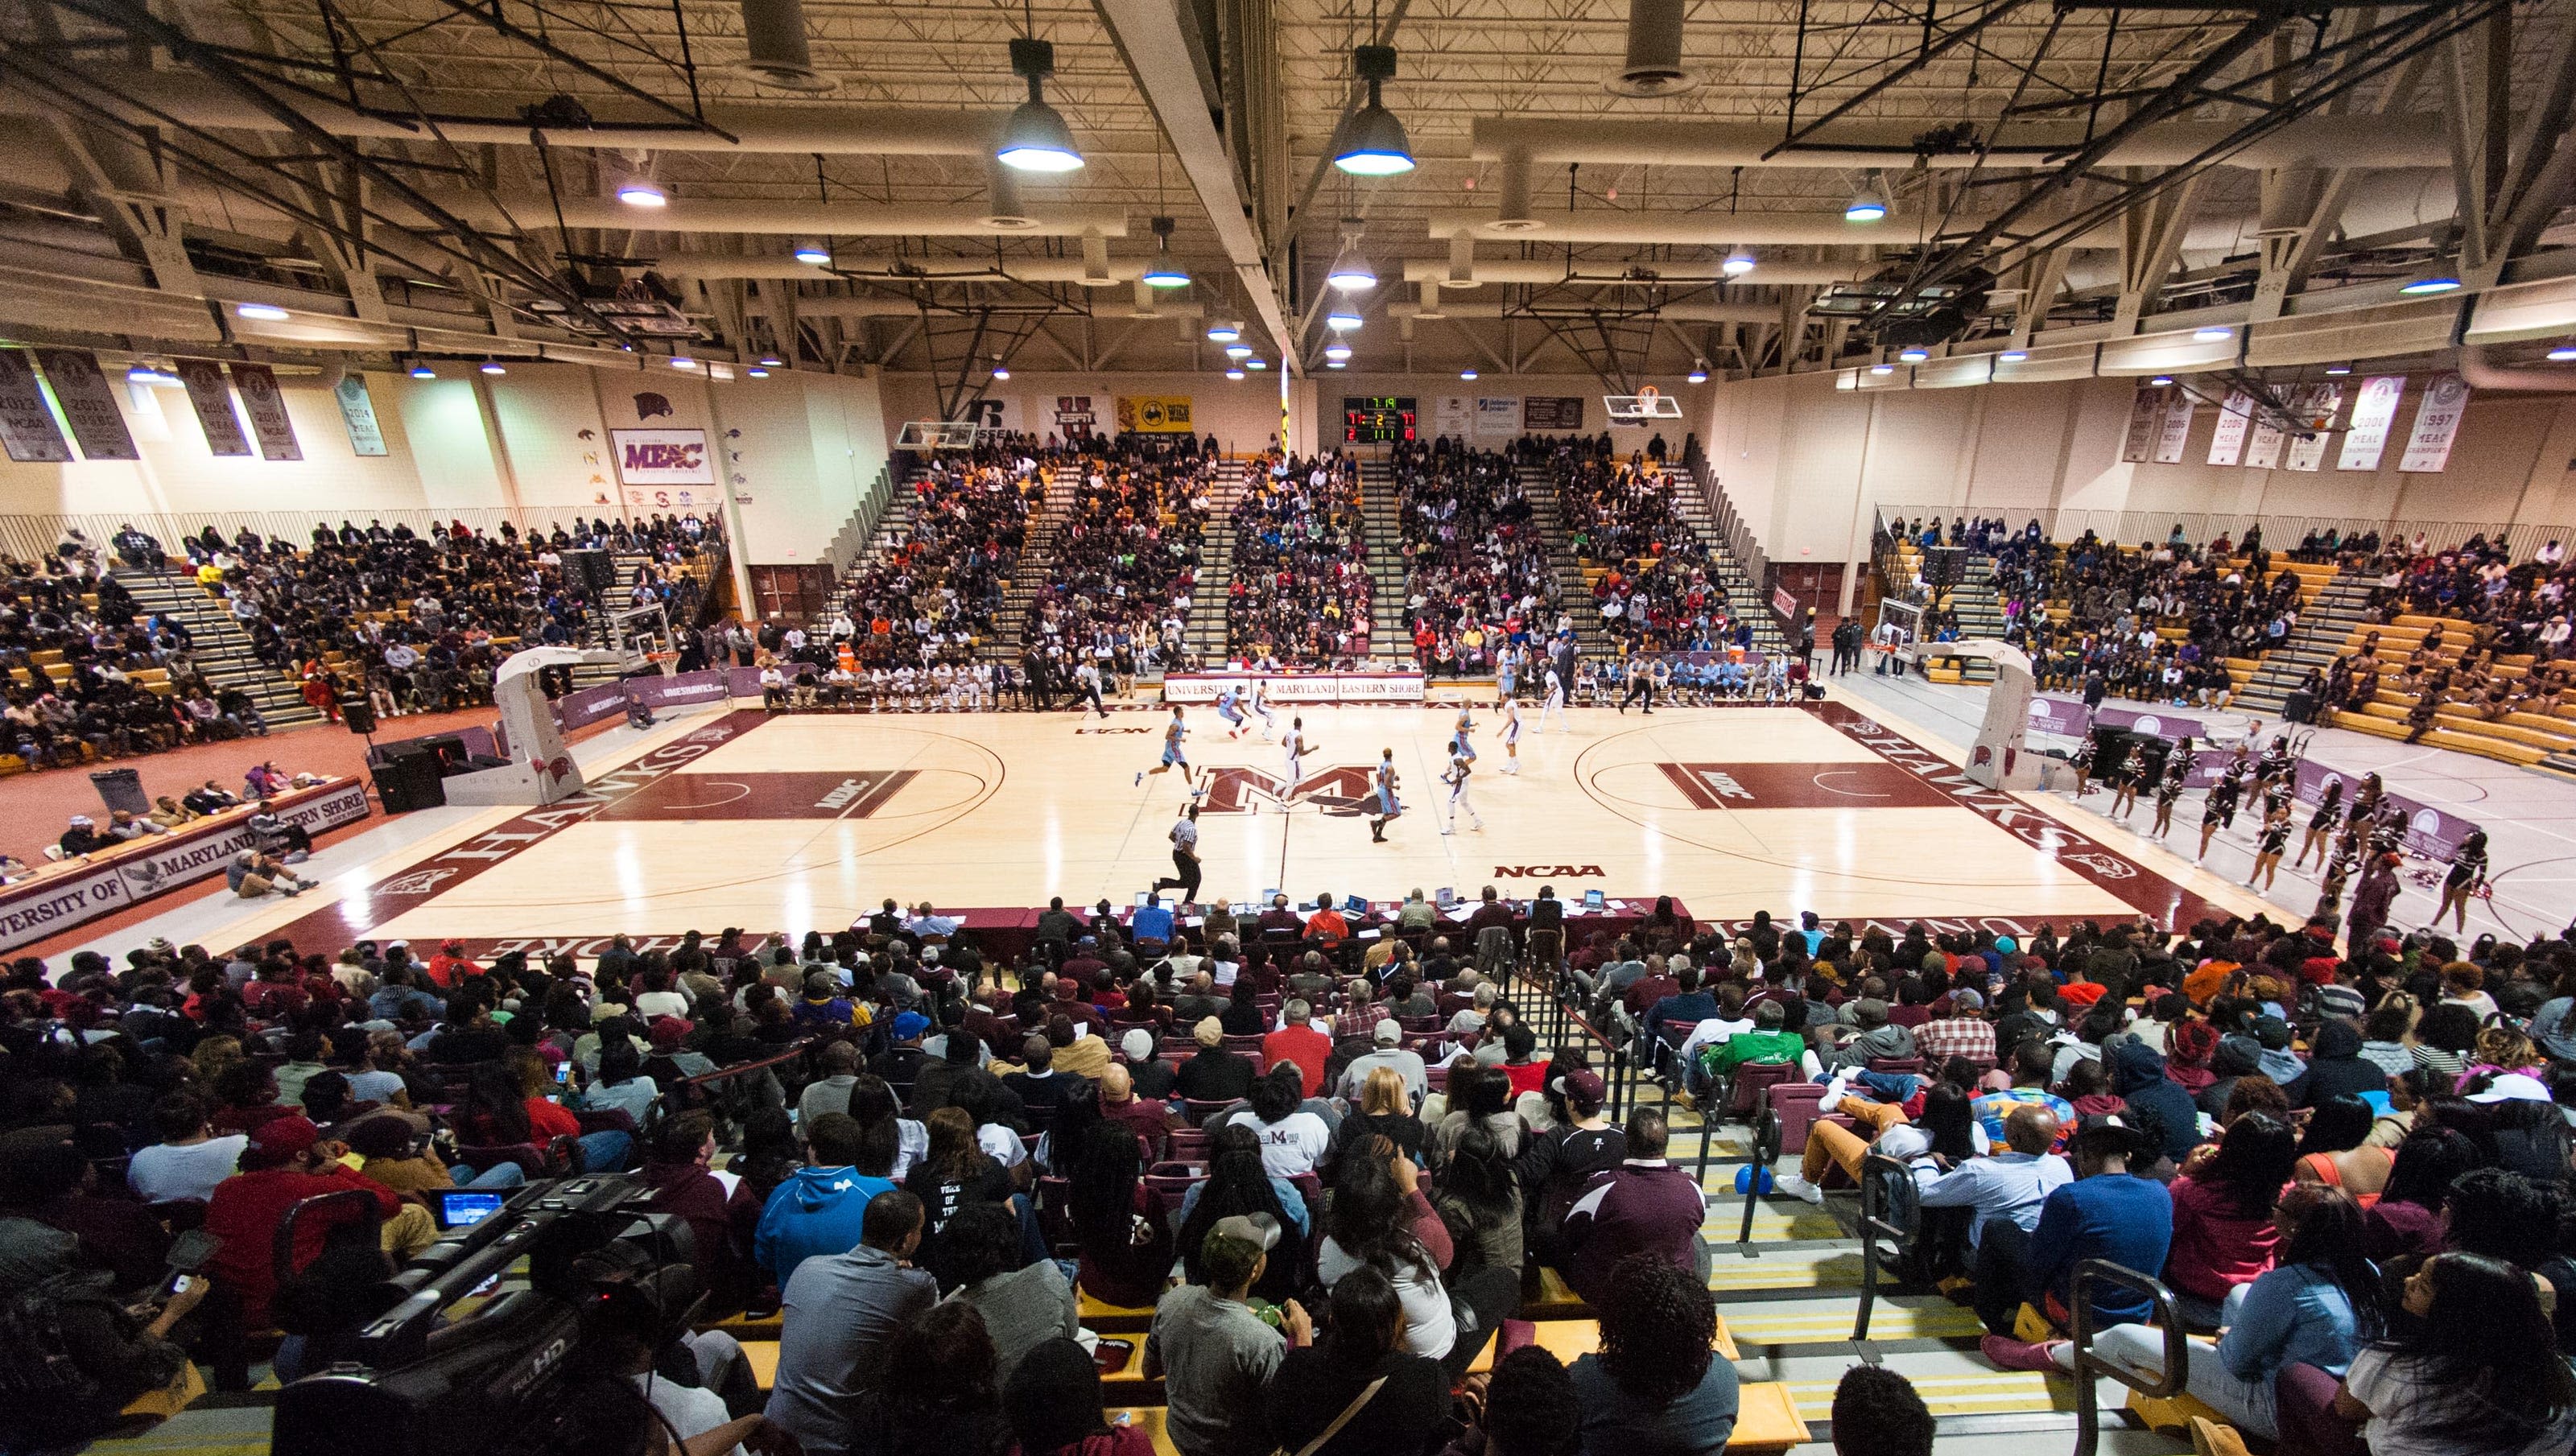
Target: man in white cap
{"points": [[1151, 1075], [1388, 1051]]}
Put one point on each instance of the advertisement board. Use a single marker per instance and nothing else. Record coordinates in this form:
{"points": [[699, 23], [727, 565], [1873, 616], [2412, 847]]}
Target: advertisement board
{"points": [[1299, 687], [663, 457], [1154, 414]]}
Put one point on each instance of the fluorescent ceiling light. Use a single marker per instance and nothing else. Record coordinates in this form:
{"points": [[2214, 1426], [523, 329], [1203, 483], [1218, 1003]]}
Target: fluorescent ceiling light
{"points": [[642, 192], [820, 257], [2439, 283], [265, 312]]}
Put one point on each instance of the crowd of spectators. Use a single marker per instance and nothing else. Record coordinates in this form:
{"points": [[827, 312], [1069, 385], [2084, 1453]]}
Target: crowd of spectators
{"points": [[1126, 557], [1477, 584], [1300, 593], [419, 621], [2500, 610], [105, 705], [2226, 598], [1658, 588], [931, 597], [2321, 1151]]}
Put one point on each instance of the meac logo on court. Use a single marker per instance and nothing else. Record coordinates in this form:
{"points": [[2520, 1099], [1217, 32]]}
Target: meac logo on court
{"points": [[662, 455], [1340, 791]]}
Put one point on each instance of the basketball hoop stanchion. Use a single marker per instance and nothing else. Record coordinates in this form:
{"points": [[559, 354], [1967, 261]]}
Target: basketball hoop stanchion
{"points": [[1647, 405]]}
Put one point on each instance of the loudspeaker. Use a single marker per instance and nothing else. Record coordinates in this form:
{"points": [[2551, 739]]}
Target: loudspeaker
{"points": [[2110, 753], [2300, 707], [1945, 565], [2149, 755], [410, 781], [448, 750], [595, 571], [359, 714]]}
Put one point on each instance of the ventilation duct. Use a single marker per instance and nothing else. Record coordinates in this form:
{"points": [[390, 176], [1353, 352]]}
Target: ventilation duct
{"points": [[1002, 206], [1654, 65], [774, 32], [1513, 216]]}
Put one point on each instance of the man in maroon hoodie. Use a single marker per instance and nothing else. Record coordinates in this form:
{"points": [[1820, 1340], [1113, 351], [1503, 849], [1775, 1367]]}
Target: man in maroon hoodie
{"points": [[1643, 1205]]}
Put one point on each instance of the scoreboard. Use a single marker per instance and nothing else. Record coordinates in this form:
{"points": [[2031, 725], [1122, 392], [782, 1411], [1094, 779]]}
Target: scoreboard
{"points": [[1376, 419]]}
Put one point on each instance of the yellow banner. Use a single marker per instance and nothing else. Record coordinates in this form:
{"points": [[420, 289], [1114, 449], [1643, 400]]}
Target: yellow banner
{"points": [[1154, 414]]}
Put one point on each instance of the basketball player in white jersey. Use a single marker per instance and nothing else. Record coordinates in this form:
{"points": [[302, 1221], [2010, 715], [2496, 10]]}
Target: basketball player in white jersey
{"points": [[1511, 712], [1295, 742], [1086, 688], [1258, 705], [1386, 807], [1173, 732], [1462, 766], [1554, 702]]}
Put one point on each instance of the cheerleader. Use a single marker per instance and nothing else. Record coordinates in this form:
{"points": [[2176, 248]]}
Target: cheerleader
{"points": [[2218, 810], [2321, 825], [2082, 763], [2269, 842], [2468, 875], [2169, 789], [2123, 783]]}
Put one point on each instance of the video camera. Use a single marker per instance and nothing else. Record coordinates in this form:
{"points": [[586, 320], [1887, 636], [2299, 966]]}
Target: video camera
{"points": [[437, 1376]]}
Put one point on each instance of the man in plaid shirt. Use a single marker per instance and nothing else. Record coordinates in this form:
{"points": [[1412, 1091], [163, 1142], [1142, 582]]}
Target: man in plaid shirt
{"points": [[1957, 1031]]}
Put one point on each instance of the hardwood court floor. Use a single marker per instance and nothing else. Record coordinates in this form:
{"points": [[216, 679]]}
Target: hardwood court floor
{"points": [[808, 821]]}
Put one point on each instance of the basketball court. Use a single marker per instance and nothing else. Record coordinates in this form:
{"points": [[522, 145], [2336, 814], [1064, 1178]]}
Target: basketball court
{"points": [[790, 822]]}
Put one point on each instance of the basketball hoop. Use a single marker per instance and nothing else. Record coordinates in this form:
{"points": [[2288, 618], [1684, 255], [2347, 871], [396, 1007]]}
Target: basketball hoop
{"points": [[926, 436], [1648, 403]]}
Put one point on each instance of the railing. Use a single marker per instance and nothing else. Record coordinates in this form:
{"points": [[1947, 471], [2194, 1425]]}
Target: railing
{"points": [[855, 534], [1766, 1150], [1737, 534], [2089, 1366], [1881, 1216], [2281, 533], [29, 537]]}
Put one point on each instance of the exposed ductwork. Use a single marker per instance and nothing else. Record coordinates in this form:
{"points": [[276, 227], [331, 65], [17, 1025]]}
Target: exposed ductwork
{"points": [[1679, 229], [772, 266], [1678, 313], [774, 32], [896, 131], [2479, 369], [803, 219], [2320, 141], [1445, 273], [1654, 66]]}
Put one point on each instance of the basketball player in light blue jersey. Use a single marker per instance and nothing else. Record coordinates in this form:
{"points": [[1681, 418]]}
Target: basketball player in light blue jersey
{"points": [[1228, 709], [1173, 732], [1459, 735], [1387, 807]]}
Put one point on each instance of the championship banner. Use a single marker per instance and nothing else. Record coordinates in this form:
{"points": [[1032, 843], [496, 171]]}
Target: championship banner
{"points": [[89, 404], [2146, 412], [26, 425], [358, 412], [2227, 441], [2263, 452], [257, 384], [213, 400], [2373, 411], [2175, 432], [1154, 414], [2315, 406], [2437, 425], [663, 458]]}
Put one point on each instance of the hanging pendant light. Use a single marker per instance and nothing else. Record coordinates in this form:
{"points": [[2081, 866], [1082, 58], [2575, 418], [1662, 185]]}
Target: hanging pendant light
{"points": [[1163, 272], [1351, 272], [1036, 140], [1869, 204], [1372, 143]]}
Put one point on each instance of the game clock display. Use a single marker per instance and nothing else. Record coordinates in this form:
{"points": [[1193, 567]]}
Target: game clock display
{"points": [[1376, 419]]}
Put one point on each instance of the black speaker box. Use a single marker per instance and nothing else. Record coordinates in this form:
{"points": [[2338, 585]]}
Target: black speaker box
{"points": [[410, 781], [595, 571], [2110, 753], [359, 714]]}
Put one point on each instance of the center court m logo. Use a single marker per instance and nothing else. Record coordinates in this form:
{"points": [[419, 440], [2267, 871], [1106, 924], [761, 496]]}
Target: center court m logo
{"points": [[1334, 791]]}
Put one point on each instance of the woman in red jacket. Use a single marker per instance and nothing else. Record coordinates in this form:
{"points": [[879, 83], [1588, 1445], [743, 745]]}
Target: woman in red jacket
{"points": [[2222, 1231]]}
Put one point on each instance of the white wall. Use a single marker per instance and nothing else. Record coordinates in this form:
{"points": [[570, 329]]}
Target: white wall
{"points": [[805, 445], [1807, 462]]}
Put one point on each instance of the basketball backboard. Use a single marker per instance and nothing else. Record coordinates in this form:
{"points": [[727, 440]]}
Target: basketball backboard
{"points": [[1647, 404], [927, 435]]}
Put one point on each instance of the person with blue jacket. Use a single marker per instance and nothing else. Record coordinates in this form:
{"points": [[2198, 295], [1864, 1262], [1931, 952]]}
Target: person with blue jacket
{"points": [[821, 1207], [2138, 1075], [2318, 1305], [2108, 1213]]}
